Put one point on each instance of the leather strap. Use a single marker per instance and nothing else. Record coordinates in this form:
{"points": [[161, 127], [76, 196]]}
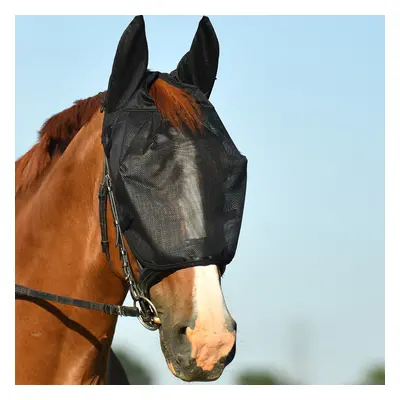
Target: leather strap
{"points": [[111, 309]]}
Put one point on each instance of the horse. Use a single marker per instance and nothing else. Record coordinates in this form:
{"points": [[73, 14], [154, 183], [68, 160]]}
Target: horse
{"points": [[57, 250]]}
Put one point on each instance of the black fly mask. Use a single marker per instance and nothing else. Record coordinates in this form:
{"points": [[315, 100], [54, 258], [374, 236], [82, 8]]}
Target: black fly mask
{"points": [[179, 194]]}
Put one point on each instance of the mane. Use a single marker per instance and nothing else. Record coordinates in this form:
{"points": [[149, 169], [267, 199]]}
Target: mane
{"points": [[174, 104], [54, 137]]}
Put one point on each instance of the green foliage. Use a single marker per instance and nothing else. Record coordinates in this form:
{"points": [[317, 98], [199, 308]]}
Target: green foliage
{"points": [[260, 377], [375, 376]]}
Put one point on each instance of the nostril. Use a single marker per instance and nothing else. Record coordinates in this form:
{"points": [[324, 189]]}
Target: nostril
{"points": [[232, 325], [182, 330], [181, 334]]}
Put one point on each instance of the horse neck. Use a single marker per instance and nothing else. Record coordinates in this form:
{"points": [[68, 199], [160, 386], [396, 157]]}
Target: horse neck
{"points": [[58, 251]]}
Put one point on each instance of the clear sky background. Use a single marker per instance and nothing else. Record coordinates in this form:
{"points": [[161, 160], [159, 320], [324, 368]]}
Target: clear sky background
{"points": [[303, 98]]}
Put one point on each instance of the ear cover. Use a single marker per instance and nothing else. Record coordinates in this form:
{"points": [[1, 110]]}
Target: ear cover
{"points": [[199, 65], [130, 65]]}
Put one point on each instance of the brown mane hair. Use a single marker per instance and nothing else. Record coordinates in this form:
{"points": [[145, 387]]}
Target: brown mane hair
{"points": [[174, 104]]}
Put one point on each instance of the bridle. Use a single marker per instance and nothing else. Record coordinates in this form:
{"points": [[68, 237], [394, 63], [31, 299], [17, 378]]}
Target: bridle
{"points": [[142, 307], [147, 315]]}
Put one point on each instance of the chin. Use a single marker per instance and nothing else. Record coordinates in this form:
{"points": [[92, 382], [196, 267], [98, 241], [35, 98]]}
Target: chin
{"points": [[196, 374]]}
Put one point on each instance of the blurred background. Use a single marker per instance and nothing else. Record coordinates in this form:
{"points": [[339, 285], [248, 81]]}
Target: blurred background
{"points": [[303, 99]]}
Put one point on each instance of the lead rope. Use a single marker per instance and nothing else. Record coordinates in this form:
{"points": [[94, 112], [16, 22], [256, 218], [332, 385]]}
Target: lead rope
{"points": [[148, 315]]}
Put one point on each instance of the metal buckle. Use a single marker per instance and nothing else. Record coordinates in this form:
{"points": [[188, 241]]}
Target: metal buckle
{"points": [[152, 322]]}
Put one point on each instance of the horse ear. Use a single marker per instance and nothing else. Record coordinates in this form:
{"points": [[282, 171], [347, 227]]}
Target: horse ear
{"points": [[199, 65], [130, 64]]}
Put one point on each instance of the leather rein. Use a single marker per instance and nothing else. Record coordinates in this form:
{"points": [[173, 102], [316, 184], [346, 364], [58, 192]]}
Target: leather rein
{"points": [[142, 307]]}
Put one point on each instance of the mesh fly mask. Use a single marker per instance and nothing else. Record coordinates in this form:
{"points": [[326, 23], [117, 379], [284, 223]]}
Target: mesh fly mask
{"points": [[179, 194]]}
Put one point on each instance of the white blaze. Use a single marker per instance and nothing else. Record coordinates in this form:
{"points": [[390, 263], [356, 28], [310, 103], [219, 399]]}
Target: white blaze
{"points": [[208, 299], [210, 338]]}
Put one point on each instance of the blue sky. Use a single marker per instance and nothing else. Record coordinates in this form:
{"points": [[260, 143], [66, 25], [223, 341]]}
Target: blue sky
{"points": [[303, 98]]}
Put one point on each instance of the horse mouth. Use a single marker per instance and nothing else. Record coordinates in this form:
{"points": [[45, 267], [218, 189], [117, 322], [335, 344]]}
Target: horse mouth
{"points": [[191, 373], [196, 374]]}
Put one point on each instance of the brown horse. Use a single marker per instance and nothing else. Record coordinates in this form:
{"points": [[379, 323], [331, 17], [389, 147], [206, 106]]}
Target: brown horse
{"points": [[58, 251]]}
